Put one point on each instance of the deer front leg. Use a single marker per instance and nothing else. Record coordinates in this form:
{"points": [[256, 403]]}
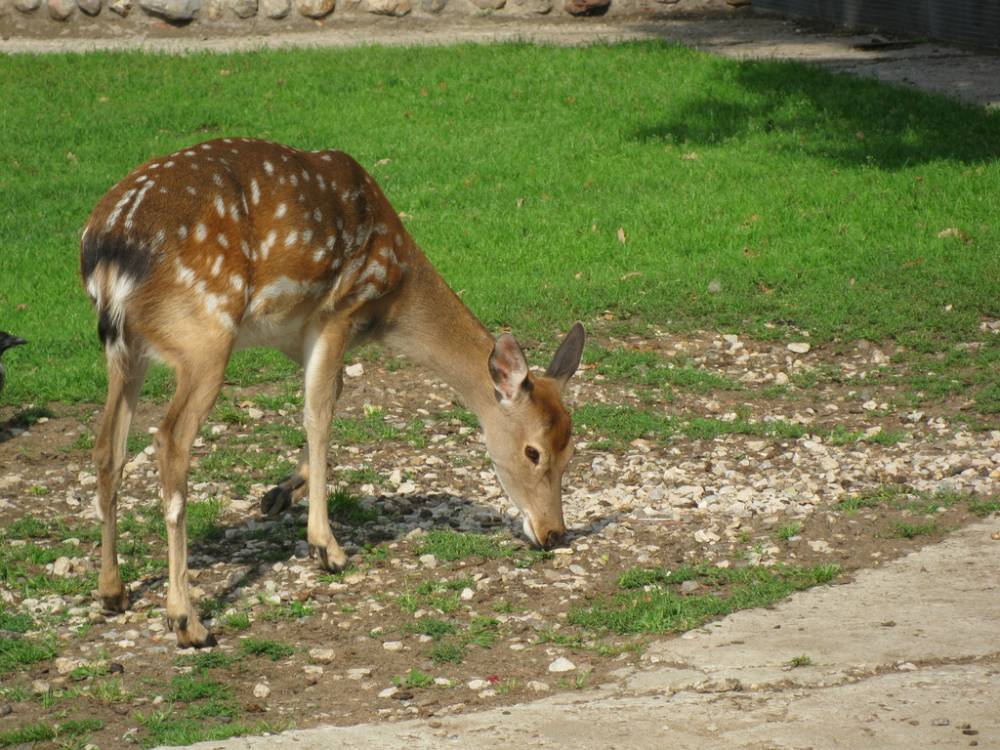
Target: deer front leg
{"points": [[197, 389], [324, 362]]}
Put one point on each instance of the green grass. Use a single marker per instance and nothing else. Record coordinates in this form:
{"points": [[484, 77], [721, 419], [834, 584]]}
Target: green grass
{"points": [[789, 530], [448, 546], [274, 650], [902, 497], [648, 368], [452, 643], [194, 687], [752, 175], [18, 653], [237, 621], [348, 509], [413, 679], [905, 530], [622, 424], [43, 732], [647, 603]]}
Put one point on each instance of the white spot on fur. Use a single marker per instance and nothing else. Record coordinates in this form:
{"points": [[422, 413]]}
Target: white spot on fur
{"points": [[268, 167], [182, 232], [317, 215], [184, 274], [220, 207], [222, 240], [292, 238], [190, 190], [268, 243], [200, 232], [217, 266], [234, 211], [307, 236], [119, 207], [135, 206], [236, 282], [254, 192], [280, 211]]}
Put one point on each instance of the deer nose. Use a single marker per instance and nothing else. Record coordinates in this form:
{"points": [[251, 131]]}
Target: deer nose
{"points": [[553, 539]]}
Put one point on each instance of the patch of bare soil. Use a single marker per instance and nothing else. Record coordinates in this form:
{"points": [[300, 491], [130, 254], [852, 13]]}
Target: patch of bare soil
{"points": [[788, 470]]}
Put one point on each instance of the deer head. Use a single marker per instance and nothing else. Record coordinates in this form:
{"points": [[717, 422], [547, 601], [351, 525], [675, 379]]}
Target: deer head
{"points": [[528, 434]]}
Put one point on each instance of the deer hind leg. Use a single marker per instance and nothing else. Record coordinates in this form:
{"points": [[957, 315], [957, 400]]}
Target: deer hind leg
{"points": [[125, 376], [324, 363], [198, 385], [288, 491], [294, 487]]}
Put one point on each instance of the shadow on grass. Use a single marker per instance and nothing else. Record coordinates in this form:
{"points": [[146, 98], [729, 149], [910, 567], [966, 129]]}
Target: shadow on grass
{"points": [[850, 121]]}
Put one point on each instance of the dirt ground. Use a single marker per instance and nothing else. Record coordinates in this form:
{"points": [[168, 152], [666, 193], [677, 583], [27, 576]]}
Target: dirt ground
{"points": [[825, 496]]}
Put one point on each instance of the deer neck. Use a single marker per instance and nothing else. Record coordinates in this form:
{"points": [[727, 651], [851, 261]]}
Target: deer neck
{"points": [[435, 328]]}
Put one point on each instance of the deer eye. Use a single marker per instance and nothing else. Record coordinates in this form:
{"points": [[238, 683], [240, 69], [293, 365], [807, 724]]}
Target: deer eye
{"points": [[532, 453]]}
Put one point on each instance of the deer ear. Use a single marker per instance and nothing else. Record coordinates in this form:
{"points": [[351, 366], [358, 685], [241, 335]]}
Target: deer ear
{"points": [[509, 369], [567, 357]]}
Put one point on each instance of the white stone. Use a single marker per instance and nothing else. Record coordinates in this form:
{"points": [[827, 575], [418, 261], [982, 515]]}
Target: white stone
{"points": [[275, 8], [321, 655], [261, 690], [562, 664], [61, 567], [359, 673], [799, 347], [354, 371], [467, 594], [388, 692], [537, 686], [478, 684], [393, 645], [174, 10], [65, 665], [428, 561]]}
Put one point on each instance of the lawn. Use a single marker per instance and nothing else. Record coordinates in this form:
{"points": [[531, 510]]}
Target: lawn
{"points": [[635, 184]]}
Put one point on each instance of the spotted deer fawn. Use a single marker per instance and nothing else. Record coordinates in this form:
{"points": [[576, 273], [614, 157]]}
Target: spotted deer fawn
{"points": [[237, 243]]}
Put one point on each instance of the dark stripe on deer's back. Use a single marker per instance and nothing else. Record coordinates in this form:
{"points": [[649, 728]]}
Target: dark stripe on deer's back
{"points": [[118, 252]]}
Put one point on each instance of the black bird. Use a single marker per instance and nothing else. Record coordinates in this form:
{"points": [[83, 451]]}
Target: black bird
{"points": [[6, 342]]}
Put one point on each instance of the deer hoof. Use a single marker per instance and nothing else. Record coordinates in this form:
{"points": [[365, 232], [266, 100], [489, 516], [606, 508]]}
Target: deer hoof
{"points": [[276, 501], [115, 602], [334, 560], [191, 634]]}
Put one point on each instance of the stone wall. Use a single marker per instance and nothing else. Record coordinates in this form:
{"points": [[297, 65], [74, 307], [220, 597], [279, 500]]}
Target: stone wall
{"points": [[57, 17]]}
